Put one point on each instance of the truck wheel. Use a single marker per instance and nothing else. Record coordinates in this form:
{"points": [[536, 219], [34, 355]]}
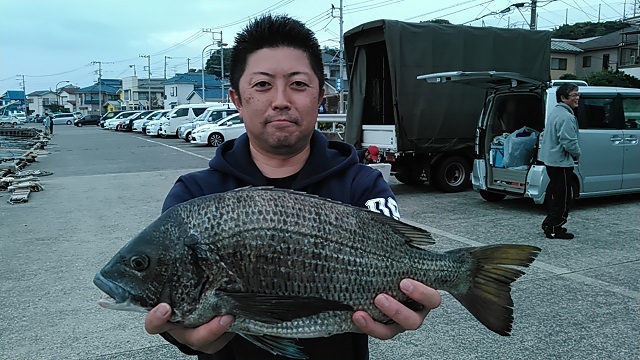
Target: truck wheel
{"points": [[574, 192], [492, 196], [452, 174], [408, 175]]}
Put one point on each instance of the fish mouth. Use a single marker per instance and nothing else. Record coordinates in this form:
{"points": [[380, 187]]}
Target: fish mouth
{"points": [[115, 294]]}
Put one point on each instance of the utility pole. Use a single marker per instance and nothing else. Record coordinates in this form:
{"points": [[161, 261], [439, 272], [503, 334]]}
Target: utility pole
{"points": [[148, 78], [222, 45], [339, 80], [99, 85], [26, 104], [165, 65], [533, 24], [188, 65]]}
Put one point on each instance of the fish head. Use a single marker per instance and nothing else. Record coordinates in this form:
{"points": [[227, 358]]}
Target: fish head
{"points": [[140, 275]]}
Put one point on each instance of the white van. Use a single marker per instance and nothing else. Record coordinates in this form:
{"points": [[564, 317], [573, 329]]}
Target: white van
{"points": [[516, 109], [182, 114], [211, 115]]}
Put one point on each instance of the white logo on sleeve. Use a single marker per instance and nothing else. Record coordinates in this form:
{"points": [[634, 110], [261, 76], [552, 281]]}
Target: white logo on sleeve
{"points": [[386, 206]]}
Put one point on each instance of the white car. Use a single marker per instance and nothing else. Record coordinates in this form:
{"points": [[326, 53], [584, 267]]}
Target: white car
{"points": [[153, 126], [215, 134], [114, 121], [210, 116], [137, 124]]}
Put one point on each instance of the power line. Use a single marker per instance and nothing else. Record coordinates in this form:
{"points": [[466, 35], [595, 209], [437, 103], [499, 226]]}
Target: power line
{"points": [[374, 6], [448, 8]]}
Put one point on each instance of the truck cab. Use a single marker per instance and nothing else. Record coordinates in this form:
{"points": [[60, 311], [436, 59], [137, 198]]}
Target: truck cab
{"points": [[513, 119]]}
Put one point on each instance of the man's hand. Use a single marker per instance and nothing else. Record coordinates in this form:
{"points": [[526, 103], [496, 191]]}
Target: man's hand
{"points": [[207, 338], [405, 318]]}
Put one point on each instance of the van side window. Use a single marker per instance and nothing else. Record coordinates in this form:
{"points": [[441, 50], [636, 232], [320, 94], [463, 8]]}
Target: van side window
{"points": [[198, 111], [631, 113], [182, 112], [596, 113], [216, 115]]}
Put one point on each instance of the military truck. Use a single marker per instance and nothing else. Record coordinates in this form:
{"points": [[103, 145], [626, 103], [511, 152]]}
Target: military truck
{"points": [[427, 131]]}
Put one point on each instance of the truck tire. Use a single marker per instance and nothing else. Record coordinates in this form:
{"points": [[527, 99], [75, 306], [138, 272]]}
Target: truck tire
{"points": [[492, 196], [409, 176], [452, 174]]}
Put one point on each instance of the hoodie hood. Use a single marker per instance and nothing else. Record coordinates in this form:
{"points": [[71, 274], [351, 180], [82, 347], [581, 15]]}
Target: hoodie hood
{"points": [[328, 157]]}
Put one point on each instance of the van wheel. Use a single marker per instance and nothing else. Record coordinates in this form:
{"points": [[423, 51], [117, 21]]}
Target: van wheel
{"points": [[187, 136], [215, 139], [69, 122], [409, 176], [492, 196], [574, 192], [452, 174]]}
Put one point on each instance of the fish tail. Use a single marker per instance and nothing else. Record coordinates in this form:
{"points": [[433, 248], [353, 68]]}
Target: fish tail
{"points": [[488, 294]]}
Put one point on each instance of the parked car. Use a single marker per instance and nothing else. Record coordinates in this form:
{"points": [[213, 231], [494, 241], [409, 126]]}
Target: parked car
{"points": [[215, 134], [153, 127], [211, 115], [513, 121], [141, 125], [185, 113], [87, 120], [63, 119], [127, 124], [112, 123], [107, 116]]}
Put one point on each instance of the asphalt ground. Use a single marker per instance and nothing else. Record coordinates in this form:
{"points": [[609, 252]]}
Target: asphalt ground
{"points": [[580, 299]]}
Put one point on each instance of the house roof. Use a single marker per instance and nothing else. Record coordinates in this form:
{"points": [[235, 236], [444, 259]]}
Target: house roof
{"points": [[13, 95], [330, 59], [210, 93], [558, 45], [69, 89], [95, 88], [40, 93], [193, 78], [611, 40], [112, 82]]}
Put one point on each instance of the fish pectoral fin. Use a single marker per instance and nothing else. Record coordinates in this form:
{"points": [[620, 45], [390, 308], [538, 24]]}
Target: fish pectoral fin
{"points": [[280, 308], [276, 345]]}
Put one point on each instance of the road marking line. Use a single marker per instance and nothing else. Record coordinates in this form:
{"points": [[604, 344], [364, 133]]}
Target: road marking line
{"points": [[539, 264], [175, 148]]}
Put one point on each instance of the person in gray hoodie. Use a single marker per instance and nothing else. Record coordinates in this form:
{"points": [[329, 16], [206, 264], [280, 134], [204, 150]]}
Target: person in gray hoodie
{"points": [[559, 150]]}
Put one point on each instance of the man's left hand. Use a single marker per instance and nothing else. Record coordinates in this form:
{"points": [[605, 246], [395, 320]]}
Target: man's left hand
{"points": [[405, 318]]}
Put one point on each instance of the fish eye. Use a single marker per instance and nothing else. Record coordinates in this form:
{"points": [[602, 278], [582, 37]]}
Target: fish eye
{"points": [[139, 262]]}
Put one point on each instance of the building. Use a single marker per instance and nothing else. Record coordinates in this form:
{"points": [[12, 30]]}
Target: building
{"points": [[42, 101], [14, 97], [211, 95], [181, 86], [134, 94], [563, 58], [67, 98], [88, 98]]}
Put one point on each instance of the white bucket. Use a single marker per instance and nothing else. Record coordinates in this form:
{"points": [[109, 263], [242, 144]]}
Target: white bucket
{"points": [[385, 169]]}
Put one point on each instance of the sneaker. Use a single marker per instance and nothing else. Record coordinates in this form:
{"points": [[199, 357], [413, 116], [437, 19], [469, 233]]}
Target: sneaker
{"points": [[563, 235], [548, 231]]}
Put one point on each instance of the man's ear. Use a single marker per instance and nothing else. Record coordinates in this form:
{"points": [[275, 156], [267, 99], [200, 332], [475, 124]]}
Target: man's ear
{"points": [[235, 99]]}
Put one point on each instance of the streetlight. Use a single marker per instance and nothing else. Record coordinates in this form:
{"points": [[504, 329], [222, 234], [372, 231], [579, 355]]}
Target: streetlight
{"points": [[222, 45], [202, 58], [58, 95]]}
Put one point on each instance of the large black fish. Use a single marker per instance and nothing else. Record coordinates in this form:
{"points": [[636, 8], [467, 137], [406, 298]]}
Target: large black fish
{"points": [[292, 265]]}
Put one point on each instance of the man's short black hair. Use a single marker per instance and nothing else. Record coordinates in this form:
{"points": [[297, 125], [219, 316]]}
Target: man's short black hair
{"points": [[564, 90], [273, 31]]}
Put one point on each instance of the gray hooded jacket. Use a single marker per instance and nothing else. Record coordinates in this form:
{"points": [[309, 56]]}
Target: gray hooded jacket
{"points": [[559, 144]]}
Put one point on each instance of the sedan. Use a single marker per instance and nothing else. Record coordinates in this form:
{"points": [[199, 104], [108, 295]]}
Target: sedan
{"points": [[215, 134], [87, 120]]}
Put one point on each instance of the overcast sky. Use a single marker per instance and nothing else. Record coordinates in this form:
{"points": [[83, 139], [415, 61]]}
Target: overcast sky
{"points": [[53, 41]]}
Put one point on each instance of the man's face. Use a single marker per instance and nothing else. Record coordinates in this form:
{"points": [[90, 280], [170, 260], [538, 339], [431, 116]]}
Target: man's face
{"points": [[279, 99], [572, 100]]}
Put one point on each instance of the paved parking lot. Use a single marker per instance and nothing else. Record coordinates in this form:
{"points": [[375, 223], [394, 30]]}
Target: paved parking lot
{"points": [[580, 300]]}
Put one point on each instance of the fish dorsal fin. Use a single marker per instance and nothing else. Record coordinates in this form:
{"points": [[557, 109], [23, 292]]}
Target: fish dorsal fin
{"points": [[279, 308], [414, 236], [276, 345]]}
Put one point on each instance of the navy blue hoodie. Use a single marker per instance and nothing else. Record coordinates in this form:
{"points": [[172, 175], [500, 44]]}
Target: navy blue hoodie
{"points": [[332, 171]]}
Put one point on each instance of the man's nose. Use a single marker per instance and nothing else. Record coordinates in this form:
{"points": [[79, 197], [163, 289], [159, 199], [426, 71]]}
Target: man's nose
{"points": [[281, 98]]}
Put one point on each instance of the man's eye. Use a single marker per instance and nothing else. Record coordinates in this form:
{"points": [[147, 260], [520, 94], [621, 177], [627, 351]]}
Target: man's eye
{"points": [[300, 84], [261, 84]]}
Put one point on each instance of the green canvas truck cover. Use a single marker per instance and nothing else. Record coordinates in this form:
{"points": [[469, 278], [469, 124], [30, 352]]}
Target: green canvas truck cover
{"points": [[384, 57]]}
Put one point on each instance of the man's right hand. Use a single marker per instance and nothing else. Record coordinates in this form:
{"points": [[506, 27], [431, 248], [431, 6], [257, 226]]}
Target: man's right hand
{"points": [[207, 338]]}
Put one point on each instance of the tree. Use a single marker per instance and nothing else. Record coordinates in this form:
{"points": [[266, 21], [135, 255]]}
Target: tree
{"points": [[331, 51], [212, 65], [438, 21], [587, 29], [613, 78], [569, 76]]}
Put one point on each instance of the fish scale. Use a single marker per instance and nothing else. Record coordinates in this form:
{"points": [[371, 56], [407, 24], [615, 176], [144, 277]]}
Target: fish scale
{"points": [[292, 265]]}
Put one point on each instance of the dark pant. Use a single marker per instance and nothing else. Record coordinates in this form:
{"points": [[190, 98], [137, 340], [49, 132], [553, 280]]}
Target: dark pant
{"points": [[559, 188], [51, 127]]}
